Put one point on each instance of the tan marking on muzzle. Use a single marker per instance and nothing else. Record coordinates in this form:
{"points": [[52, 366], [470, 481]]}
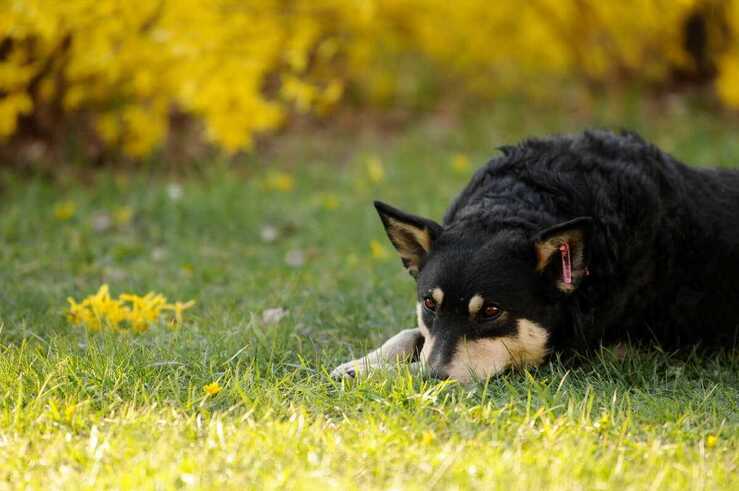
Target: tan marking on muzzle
{"points": [[483, 358], [532, 342]]}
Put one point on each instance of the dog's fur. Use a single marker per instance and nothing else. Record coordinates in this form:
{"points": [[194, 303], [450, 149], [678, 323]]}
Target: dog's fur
{"points": [[653, 250]]}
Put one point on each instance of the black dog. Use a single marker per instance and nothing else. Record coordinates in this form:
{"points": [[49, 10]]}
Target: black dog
{"points": [[569, 242]]}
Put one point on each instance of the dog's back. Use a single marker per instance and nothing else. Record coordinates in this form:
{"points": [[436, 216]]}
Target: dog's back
{"points": [[664, 248]]}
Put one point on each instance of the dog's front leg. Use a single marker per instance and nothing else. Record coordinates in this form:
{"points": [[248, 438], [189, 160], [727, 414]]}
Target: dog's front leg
{"points": [[403, 347]]}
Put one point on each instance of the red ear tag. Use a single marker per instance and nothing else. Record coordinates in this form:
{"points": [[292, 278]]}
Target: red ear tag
{"points": [[564, 250]]}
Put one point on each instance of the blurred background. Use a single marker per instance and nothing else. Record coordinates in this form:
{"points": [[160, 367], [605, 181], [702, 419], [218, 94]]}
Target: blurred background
{"points": [[93, 82]]}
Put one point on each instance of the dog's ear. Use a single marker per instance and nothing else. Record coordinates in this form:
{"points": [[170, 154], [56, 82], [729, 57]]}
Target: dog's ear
{"points": [[561, 252], [411, 235]]}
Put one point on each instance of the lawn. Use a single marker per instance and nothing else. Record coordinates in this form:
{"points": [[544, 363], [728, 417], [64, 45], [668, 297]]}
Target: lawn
{"points": [[293, 228]]}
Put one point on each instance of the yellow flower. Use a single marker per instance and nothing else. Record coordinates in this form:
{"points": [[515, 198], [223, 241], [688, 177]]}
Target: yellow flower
{"points": [[122, 215], [178, 308], [280, 181], [12, 106], [711, 441], [460, 163], [299, 92], [727, 83], [76, 313], [329, 97], [128, 311], [427, 438], [212, 388], [65, 210], [378, 251], [375, 170], [329, 201]]}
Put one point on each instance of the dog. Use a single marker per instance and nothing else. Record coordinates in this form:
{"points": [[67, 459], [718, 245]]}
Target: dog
{"points": [[568, 243]]}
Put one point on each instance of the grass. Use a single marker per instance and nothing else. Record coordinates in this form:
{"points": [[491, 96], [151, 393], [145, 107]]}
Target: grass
{"points": [[83, 410]]}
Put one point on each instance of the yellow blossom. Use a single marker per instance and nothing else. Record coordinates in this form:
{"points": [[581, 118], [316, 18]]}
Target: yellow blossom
{"points": [[329, 97], [461, 163], [301, 93], [212, 388], [123, 215], [378, 251], [65, 210], [12, 106], [127, 312], [279, 181], [427, 437], [375, 170], [711, 441], [329, 201], [178, 308]]}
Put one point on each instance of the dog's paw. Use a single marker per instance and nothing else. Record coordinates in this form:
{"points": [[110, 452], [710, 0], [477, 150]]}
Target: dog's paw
{"points": [[349, 369]]}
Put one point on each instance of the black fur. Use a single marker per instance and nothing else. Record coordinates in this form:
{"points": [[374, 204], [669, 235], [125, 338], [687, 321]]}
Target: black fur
{"points": [[660, 256]]}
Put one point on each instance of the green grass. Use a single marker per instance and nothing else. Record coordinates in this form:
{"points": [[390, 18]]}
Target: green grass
{"points": [[103, 410]]}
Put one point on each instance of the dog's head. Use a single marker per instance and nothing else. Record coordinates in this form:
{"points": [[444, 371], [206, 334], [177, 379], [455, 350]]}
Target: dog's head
{"points": [[487, 300]]}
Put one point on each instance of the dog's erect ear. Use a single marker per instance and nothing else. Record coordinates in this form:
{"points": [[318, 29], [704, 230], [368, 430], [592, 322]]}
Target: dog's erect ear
{"points": [[561, 252], [411, 235]]}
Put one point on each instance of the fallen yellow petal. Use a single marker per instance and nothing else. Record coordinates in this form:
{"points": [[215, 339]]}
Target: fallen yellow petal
{"points": [[212, 388], [65, 210], [711, 441], [280, 181]]}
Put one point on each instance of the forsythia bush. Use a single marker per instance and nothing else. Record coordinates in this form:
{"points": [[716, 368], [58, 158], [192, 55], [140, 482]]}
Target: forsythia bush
{"points": [[728, 80], [241, 67]]}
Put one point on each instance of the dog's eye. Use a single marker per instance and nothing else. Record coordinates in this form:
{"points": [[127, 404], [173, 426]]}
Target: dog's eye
{"points": [[429, 303], [491, 312]]}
